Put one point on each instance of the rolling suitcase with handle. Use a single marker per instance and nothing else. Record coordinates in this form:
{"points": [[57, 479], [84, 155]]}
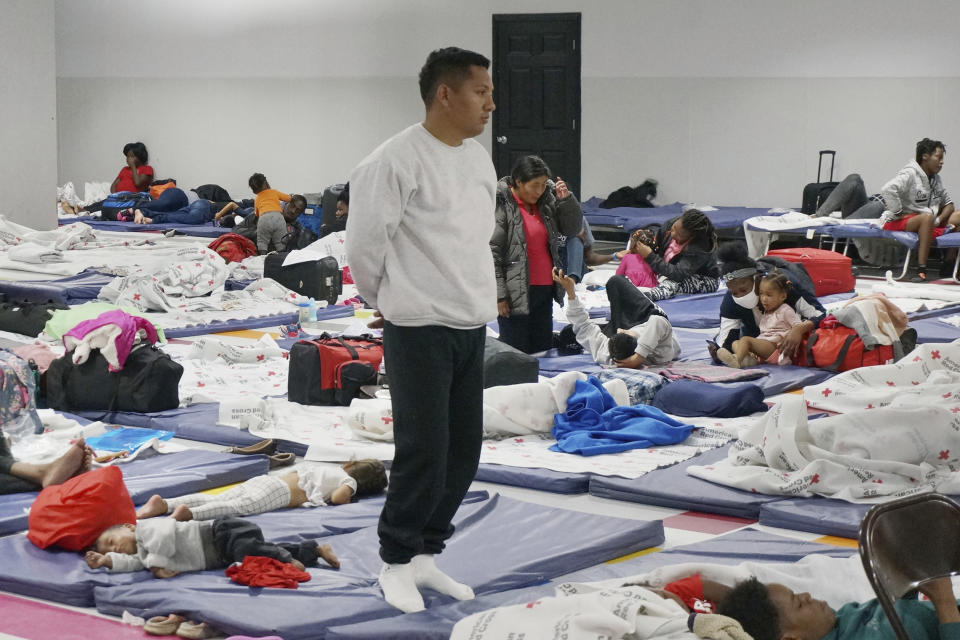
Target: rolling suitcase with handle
{"points": [[816, 192]]}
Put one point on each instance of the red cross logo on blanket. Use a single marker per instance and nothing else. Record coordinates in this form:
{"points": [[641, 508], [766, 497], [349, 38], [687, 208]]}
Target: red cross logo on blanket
{"points": [[531, 605], [878, 481], [200, 384], [260, 357], [955, 410], [210, 282], [891, 384], [271, 373], [870, 406], [136, 296], [935, 355], [815, 479], [914, 382], [826, 392], [947, 394], [387, 419], [917, 358], [945, 454]]}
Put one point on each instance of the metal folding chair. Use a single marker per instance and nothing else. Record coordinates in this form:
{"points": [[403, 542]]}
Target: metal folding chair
{"points": [[907, 542]]}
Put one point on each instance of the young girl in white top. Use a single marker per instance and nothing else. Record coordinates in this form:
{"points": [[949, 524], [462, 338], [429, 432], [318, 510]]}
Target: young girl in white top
{"points": [[303, 487], [775, 321]]}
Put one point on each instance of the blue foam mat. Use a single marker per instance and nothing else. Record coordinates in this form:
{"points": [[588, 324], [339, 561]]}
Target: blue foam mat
{"points": [[168, 475], [83, 287], [437, 623], [476, 555], [672, 487], [540, 479], [62, 576], [208, 230], [816, 515], [934, 330]]}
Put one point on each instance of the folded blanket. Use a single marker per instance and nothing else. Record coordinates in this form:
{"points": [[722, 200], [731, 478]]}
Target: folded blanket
{"points": [[705, 372]]}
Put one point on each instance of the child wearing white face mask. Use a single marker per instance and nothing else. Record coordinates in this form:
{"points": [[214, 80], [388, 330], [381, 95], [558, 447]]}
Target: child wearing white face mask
{"points": [[776, 321], [740, 312]]}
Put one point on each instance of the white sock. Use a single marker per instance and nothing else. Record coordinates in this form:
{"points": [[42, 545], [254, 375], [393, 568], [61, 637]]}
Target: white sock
{"points": [[400, 588], [428, 575]]}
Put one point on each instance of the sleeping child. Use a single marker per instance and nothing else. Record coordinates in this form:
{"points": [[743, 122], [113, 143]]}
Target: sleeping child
{"points": [[776, 319], [304, 487], [168, 547]]}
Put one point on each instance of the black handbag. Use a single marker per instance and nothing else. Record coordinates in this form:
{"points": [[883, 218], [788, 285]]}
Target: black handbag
{"points": [[148, 382]]}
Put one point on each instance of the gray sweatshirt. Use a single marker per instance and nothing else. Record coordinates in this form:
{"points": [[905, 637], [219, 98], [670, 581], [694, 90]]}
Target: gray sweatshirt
{"points": [[421, 217], [655, 339], [169, 544], [912, 191]]}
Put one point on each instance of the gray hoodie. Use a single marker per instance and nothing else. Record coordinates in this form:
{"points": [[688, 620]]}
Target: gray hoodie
{"points": [[912, 191]]}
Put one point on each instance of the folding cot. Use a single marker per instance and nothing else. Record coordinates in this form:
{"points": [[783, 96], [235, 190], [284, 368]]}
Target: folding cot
{"points": [[168, 475], [630, 218], [544, 543], [437, 622]]}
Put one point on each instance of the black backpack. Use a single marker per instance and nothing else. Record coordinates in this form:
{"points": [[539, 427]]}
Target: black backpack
{"points": [[298, 238], [637, 197]]}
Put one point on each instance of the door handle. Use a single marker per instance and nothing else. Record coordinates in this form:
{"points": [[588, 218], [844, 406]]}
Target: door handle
{"points": [[502, 139]]}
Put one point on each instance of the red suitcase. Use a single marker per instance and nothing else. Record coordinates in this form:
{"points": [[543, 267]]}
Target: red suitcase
{"points": [[830, 271]]}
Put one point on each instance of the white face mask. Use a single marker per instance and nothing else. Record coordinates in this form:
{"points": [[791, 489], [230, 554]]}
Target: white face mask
{"points": [[748, 301]]}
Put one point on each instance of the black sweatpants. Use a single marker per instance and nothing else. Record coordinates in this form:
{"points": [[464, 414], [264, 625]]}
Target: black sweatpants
{"points": [[436, 389], [532, 332], [235, 538], [9, 483], [628, 306]]}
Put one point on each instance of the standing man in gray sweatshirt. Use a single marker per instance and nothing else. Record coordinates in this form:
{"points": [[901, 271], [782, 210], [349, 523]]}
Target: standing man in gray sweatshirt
{"points": [[421, 216]]}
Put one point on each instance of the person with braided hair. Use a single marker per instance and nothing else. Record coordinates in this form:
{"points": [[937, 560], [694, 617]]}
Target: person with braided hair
{"points": [[684, 256]]}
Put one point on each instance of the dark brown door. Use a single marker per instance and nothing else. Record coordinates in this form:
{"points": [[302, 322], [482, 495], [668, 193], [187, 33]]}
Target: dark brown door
{"points": [[536, 85]]}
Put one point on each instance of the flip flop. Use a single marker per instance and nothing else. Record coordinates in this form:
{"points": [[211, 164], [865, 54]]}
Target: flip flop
{"points": [[163, 625]]}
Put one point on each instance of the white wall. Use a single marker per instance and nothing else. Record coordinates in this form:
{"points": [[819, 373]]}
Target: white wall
{"points": [[723, 101], [28, 133]]}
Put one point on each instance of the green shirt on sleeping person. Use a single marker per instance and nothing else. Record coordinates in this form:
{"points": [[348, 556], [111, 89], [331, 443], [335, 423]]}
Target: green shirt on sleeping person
{"points": [[867, 621]]}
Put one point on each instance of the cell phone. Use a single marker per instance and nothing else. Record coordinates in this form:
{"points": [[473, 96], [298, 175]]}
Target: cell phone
{"points": [[711, 343]]}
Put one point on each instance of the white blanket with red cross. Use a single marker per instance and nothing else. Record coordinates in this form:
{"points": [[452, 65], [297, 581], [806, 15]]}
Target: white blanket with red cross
{"points": [[899, 434]]}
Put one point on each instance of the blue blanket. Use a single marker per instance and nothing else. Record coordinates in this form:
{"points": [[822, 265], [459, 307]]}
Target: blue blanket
{"points": [[593, 424]]}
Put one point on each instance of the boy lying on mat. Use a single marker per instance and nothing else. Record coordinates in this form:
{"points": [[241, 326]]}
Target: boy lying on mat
{"points": [[169, 547]]}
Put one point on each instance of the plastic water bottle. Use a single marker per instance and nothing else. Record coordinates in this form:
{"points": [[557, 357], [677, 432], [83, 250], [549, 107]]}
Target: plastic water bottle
{"points": [[313, 310], [304, 311]]}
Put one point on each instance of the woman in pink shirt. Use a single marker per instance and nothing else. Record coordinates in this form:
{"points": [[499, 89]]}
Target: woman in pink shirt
{"points": [[532, 211]]}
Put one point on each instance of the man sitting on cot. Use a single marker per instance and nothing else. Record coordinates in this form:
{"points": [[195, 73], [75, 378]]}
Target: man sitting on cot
{"points": [[774, 612], [638, 333]]}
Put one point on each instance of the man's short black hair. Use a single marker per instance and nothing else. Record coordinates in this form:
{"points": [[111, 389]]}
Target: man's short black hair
{"points": [[926, 146], [749, 604], [449, 66], [344, 195], [622, 346]]}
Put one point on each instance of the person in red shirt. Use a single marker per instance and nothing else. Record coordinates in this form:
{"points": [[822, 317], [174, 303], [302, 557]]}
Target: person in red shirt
{"points": [[532, 213], [136, 176], [693, 593]]}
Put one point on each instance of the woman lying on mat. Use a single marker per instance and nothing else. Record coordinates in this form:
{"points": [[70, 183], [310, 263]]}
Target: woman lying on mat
{"points": [[305, 487], [740, 310], [774, 612], [638, 333], [532, 213], [684, 256], [135, 176]]}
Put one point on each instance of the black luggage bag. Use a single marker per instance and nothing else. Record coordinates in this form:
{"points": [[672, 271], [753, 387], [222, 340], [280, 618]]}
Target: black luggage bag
{"points": [[318, 279], [816, 192], [149, 381]]}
